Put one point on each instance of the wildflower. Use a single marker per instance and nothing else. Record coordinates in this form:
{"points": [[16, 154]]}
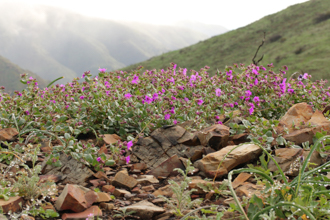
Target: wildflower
{"points": [[251, 110], [175, 122], [28, 82], [305, 76], [172, 110], [27, 112], [184, 72], [217, 117], [181, 88], [186, 99], [248, 93], [128, 158], [167, 116], [200, 101], [256, 99], [98, 159], [102, 70], [19, 94], [220, 122], [290, 91], [128, 96], [218, 92], [155, 97], [129, 145], [256, 82], [148, 99], [174, 67], [135, 79], [231, 105], [255, 72], [171, 80], [82, 97], [173, 98], [192, 78]]}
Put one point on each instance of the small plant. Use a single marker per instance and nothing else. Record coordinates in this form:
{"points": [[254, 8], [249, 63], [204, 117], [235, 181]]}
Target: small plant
{"points": [[181, 199], [123, 214]]}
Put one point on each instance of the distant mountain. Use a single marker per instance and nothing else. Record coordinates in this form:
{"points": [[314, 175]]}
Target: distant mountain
{"points": [[10, 75], [53, 42], [297, 37]]}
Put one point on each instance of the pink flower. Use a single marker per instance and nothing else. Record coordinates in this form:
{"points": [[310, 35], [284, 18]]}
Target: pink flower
{"points": [[167, 116], [248, 93], [128, 158], [256, 82], [255, 72], [82, 97], [186, 99], [184, 71], [128, 96], [129, 145], [200, 101], [256, 99], [102, 70], [27, 112], [147, 99], [135, 79], [251, 110], [218, 92], [173, 98], [175, 122], [98, 159]]}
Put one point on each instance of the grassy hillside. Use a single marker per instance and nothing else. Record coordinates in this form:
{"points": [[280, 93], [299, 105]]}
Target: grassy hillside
{"points": [[297, 36], [10, 76]]}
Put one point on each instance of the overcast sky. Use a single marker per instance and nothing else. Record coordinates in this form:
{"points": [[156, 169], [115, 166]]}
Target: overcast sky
{"points": [[231, 14]]}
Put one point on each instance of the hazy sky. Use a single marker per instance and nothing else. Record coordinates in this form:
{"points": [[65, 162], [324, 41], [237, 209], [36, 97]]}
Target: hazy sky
{"points": [[231, 14]]}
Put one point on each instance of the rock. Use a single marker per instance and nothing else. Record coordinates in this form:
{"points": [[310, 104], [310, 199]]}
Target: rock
{"points": [[120, 193], [50, 177], [72, 171], [194, 153], [147, 179], [13, 204], [107, 206], [188, 139], [326, 109], [102, 197], [108, 188], [240, 179], [315, 158], [164, 191], [161, 145], [243, 154], [111, 138], [239, 138], [144, 209], [101, 175], [138, 167], [194, 184], [26, 217], [8, 134], [284, 157], [75, 199], [166, 168], [93, 211], [148, 188], [306, 123], [249, 189], [124, 180], [215, 136]]}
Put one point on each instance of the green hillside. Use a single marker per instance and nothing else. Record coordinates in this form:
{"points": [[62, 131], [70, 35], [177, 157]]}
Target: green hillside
{"points": [[297, 37], [10, 76]]}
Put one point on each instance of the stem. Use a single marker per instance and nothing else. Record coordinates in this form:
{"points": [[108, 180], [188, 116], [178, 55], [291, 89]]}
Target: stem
{"points": [[255, 217], [234, 194], [4, 152], [54, 81]]}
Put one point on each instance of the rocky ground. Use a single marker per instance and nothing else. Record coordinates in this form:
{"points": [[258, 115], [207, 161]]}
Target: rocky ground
{"points": [[136, 186]]}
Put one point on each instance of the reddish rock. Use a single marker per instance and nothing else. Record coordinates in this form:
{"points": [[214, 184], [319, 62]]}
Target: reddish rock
{"points": [[73, 198], [249, 189], [148, 188], [164, 191], [166, 168], [147, 179], [240, 179], [195, 184], [8, 134], [103, 150], [107, 206], [124, 180], [144, 209], [284, 157], [120, 193], [108, 188], [93, 211], [12, 204]]}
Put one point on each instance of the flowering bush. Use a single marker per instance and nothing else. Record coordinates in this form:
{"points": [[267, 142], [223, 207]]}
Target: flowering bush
{"points": [[128, 103]]}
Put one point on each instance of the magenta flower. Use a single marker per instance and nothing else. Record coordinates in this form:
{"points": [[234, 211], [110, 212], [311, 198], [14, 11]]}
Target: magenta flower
{"points": [[290, 91], [19, 94], [184, 71], [305, 76], [155, 97], [135, 79], [251, 110], [172, 110], [173, 98], [167, 116], [98, 159], [128, 158], [256, 82], [27, 112], [192, 78], [82, 97], [186, 99], [248, 93], [128, 95], [175, 122], [200, 101], [171, 80], [102, 70], [129, 145], [147, 99], [217, 117], [256, 99], [174, 67], [255, 72]]}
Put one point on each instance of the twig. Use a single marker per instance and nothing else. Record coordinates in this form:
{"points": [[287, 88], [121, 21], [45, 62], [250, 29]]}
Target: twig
{"points": [[262, 43]]}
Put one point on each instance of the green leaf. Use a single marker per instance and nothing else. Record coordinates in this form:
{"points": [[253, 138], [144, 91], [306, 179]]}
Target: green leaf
{"points": [[89, 158], [67, 136]]}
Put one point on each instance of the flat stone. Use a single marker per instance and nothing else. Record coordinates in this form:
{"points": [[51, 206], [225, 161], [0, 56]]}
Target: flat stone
{"points": [[93, 211], [144, 209], [147, 179], [249, 189], [194, 184], [107, 206], [108, 188], [103, 197], [240, 179], [8, 134], [111, 138], [166, 168], [12, 204], [120, 193], [124, 180], [242, 154], [148, 188], [284, 157], [164, 191]]}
